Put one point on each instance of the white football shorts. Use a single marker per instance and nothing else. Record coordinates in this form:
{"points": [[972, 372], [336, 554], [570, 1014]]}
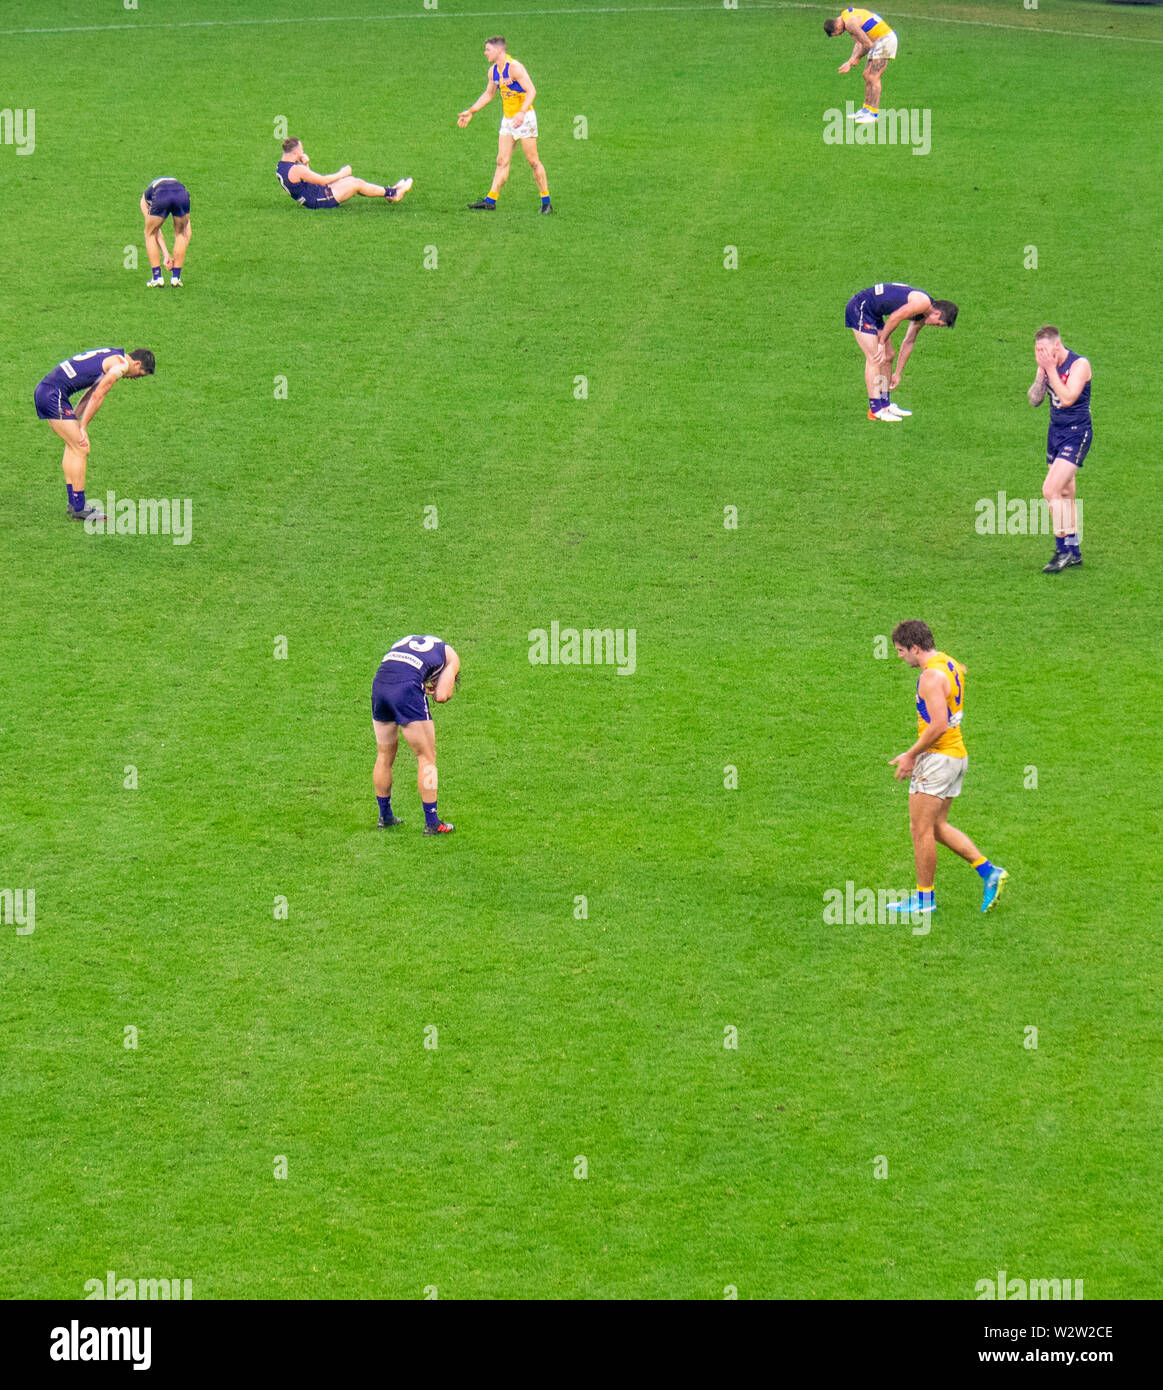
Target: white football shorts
{"points": [[527, 130], [937, 774], [884, 48]]}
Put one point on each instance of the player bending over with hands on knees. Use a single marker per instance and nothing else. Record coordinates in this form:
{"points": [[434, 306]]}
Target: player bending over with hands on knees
{"points": [[93, 372], [415, 668], [166, 198]]}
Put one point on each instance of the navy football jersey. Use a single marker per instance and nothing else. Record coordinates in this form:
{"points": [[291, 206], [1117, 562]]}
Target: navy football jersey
{"points": [[413, 658], [79, 372], [306, 193], [886, 299], [1079, 412]]}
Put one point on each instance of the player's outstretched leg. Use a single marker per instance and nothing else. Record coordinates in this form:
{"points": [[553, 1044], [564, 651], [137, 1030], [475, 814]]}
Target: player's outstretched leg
{"points": [[349, 187]]}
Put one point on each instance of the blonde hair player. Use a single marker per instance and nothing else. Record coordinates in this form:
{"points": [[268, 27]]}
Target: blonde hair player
{"points": [[519, 122]]}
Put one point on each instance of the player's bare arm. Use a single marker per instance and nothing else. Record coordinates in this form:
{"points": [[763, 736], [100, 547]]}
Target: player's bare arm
{"points": [[1037, 392], [932, 689], [301, 173], [903, 355], [482, 101], [446, 681], [114, 369], [521, 73], [917, 303], [1066, 388], [860, 47]]}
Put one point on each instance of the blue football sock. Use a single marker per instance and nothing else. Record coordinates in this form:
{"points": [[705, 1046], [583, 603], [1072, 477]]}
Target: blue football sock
{"points": [[985, 868], [1072, 544], [385, 806], [1060, 544], [157, 272], [492, 202], [545, 200], [79, 500], [69, 487], [430, 816]]}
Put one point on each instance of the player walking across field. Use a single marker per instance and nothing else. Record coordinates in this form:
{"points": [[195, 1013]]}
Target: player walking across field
{"points": [[312, 190], [936, 766], [414, 668], [518, 122], [166, 198], [93, 372], [1067, 440], [874, 40], [873, 316]]}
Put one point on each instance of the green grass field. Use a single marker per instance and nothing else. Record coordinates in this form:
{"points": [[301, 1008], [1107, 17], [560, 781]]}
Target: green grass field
{"points": [[562, 1036]]}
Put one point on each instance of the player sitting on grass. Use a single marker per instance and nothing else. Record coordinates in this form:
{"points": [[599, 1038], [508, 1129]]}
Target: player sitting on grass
{"points": [[415, 668], [93, 372], [873, 39], [1067, 376], [313, 190], [166, 198], [518, 122], [865, 314]]}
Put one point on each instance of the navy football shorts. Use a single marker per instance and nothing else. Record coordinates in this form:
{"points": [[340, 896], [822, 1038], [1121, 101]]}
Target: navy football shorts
{"points": [[1069, 442], [858, 317], [51, 403], [324, 198], [170, 200], [399, 702]]}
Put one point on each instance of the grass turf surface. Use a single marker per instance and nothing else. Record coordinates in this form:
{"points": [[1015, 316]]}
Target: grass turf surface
{"points": [[454, 387]]}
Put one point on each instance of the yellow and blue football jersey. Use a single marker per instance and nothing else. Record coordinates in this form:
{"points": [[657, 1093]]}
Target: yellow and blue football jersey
{"points": [[950, 743]]}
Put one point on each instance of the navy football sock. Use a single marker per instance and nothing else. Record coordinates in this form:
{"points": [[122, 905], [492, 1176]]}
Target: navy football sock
{"points": [[385, 806], [79, 500], [1072, 544], [1060, 544], [430, 816]]}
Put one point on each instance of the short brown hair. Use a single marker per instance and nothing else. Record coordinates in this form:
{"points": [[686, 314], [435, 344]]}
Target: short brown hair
{"points": [[948, 311], [914, 633], [500, 39], [1046, 331], [832, 27], [289, 145]]}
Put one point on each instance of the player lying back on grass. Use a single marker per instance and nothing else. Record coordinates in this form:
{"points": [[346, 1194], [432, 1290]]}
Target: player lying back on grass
{"points": [[413, 669], [312, 190], [93, 372]]}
